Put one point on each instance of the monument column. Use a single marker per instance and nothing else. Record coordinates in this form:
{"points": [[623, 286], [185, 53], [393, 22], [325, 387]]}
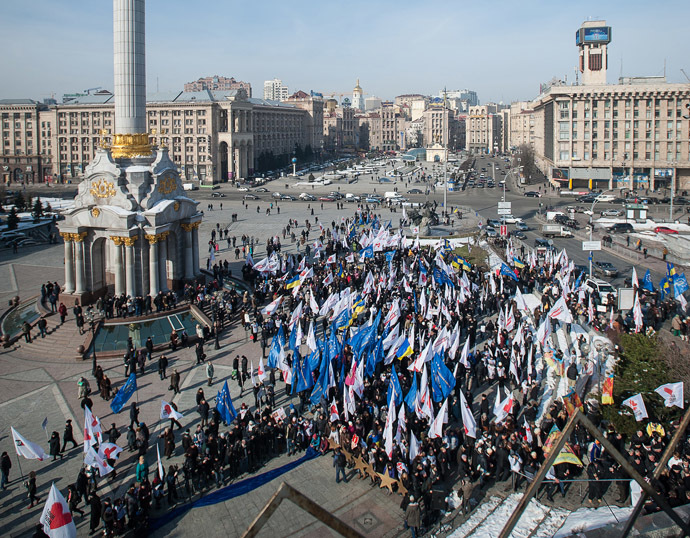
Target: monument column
{"points": [[195, 247], [154, 273], [119, 266], [163, 261], [129, 265], [69, 262], [188, 250], [79, 261]]}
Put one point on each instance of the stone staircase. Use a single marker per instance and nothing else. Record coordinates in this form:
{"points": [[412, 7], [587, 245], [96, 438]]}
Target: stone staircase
{"points": [[60, 343]]}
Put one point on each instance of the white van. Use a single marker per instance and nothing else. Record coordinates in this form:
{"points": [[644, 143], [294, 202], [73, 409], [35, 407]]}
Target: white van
{"points": [[606, 198]]}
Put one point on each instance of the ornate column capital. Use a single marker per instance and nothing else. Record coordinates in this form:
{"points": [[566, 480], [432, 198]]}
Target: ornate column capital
{"points": [[163, 236], [187, 226], [119, 241], [129, 241], [152, 239], [79, 237], [66, 236]]}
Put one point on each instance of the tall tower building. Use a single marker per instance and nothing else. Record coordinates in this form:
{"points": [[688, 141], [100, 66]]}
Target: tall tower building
{"points": [[274, 90], [592, 39], [358, 97]]}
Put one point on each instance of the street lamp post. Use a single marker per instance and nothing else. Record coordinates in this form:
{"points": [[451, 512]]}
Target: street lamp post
{"points": [[92, 318], [673, 189]]}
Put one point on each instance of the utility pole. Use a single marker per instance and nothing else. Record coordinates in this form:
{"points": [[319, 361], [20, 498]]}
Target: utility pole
{"points": [[673, 188]]}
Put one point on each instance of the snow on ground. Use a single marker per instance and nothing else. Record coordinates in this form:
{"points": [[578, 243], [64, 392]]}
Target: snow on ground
{"points": [[591, 518], [488, 519]]}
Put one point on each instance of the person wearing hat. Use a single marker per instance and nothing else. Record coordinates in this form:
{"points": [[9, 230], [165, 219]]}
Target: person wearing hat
{"points": [[412, 516], [68, 436]]}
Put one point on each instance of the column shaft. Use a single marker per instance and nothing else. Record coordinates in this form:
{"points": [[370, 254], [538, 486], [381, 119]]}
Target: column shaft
{"points": [[79, 266], [119, 270], [195, 250], [69, 266], [129, 262], [163, 264], [154, 274], [188, 255]]}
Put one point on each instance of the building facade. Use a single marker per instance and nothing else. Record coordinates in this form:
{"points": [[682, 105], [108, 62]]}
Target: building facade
{"points": [[521, 125], [484, 129], [211, 136], [358, 98], [274, 90], [218, 83]]}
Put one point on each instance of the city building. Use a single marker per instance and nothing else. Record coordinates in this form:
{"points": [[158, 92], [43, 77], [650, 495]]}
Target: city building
{"points": [[484, 129], [211, 136], [217, 83], [631, 135], [274, 90], [468, 97], [393, 128], [314, 106], [358, 98], [372, 103], [521, 125]]}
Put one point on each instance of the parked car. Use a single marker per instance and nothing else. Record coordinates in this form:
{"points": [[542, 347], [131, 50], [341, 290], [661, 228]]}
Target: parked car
{"points": [[665, 230], [533, 194], [251, 197], [602, 287], [288, 197], [491, 232], [241, 189], [218, 195], [605, 269], [493, 223], [370, 200], [561, 219], [621, 227], [415, 191], [612, 213], [276, 195], [519, 235], [261, 189], [307, 197], [326, 199], [521, 226]]}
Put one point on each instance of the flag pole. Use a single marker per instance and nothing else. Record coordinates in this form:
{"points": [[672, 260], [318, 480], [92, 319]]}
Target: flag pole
{"points": [[19, 463]]}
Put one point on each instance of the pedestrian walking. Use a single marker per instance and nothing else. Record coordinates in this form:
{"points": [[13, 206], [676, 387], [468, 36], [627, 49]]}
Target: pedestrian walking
{"points": [[175, 382], [412, 516], [5, 466], [162, 366], [339, 464], [68, 435], [31, 489], [54, 445], [209, 373], [96, 509]]}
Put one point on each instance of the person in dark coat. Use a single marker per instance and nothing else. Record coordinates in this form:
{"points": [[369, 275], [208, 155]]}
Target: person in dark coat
{"points": [[31, 487], [68, 436], [162, 366], [133, 415], [413, 516], [54, 445], [95, 503], [175, 382], [5, 466]]}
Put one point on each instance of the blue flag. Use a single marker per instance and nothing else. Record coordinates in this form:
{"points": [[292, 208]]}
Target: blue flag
{"points": [[292, 343], [320, 389], [367, 252], [647, 281], [333, 346], [389, 256], [442, 380], [378, 351], [224, 405], [343, 319], [301, 375], [314, 360], [680, 285], [507, 271], [664, 287], [276, 345], [124, 394], [394, 389], [411, 397]]}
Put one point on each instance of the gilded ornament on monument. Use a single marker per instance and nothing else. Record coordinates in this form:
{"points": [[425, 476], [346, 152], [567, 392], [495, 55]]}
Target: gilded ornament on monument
{"points": [[95, 212], [176, 206], [167, 184], [100, 188]]}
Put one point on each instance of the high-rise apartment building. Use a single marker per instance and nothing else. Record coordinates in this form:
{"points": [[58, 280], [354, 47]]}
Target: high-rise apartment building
{"points": [[274, 90]]}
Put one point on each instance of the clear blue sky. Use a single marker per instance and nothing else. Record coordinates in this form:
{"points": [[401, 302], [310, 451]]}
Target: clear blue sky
{"points": [[501, 49]]}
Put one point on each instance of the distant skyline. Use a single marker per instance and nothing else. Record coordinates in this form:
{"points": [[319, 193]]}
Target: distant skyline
{"points": [[502, 52]]}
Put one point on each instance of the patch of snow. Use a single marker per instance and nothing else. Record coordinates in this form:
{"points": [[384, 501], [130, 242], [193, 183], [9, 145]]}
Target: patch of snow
{"points": [[591, 518]]}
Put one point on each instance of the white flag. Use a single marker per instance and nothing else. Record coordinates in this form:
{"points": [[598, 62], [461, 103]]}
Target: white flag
{"points": [[161, 473], [560, 311], [388, 431], [269, 309], [505, 408], [167, 411], [637, 314], [93, 459], [56, 517], [261, 373], [469, 424], [528, 432], [635, 282], [672, 393], [636, 403], [24, 447], [414, 447], [109, 451], [311, 339], [92, 429], [436, 427]]}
